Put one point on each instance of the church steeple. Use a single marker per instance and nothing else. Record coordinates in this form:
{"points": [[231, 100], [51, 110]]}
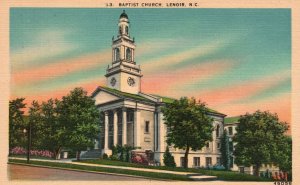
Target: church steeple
{"points": [[123, 46], [123, 74], [123, 25]]}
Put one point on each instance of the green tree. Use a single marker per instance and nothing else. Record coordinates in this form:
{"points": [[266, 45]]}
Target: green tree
{"points": [[36, 125], [283, 157], [225, 150], [16, 122], [52, 137], [257, 139], [188, 123], [81, 120], [168, 158]]}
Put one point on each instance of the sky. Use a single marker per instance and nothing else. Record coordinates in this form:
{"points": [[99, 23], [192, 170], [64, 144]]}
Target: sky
{"points": [[234, 60]]}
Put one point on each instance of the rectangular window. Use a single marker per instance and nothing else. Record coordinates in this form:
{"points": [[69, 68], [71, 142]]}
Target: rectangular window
{"points": [[230, 146], [182, 161], [207, 145], [242, 169], [147, 123], [218, 145], [218, 160], [231, 162], [196, 162], [130, 116], [230, 130], [208, 161], [218, 131]]}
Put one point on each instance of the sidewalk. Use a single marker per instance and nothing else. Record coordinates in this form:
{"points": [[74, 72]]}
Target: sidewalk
{"points": [[194, 176]]}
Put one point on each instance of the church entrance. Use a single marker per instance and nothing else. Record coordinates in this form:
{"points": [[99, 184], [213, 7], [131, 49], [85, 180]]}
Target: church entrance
{"points": [[130, 128], [130, 134]]}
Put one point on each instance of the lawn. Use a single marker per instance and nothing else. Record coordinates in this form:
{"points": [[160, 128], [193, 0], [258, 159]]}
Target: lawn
{"points": [[153, 175], [222, 175], [31, 156]]}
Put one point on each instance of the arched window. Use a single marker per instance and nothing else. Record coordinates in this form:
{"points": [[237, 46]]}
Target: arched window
{"points": [[120, 30], [218, 131], [128, 54], [126, 30], [117, 54]]}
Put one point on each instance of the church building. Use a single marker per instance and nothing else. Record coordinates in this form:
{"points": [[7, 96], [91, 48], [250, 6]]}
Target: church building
{"points": [[134, 118]]}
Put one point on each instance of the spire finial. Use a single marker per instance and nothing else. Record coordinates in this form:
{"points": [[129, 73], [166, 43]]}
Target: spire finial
{"points": [[124, 15]]}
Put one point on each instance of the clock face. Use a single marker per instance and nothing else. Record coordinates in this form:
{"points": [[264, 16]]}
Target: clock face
{"points": [[113, 81], [130, 81]]}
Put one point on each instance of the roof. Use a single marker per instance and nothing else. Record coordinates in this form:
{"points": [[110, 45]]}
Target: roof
{"points": [[230, 120], [124, 15], [142, 98], [125, 95], [170, 100], [165, 99], [213, 111]]}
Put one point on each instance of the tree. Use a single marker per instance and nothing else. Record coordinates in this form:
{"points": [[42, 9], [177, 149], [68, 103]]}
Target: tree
{"points": [[258, 139], [283, 157], [225, 150], [188, 123], [52, 138], [36, 126], [81, 120], [168, 158], [16, 122]]}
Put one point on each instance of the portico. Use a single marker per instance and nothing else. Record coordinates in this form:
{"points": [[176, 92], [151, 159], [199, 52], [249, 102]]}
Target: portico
{"points": [[119, 124]]}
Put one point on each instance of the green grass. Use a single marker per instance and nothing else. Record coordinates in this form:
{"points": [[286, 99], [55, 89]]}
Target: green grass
{"points": [[222, 175], [154, 175], [31, 156]]}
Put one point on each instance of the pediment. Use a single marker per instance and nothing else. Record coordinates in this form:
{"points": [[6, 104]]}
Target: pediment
{"points": [[103, 97]]}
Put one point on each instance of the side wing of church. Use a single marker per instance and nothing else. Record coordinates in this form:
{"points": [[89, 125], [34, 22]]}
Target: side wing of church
{"points": [[134, 118]]}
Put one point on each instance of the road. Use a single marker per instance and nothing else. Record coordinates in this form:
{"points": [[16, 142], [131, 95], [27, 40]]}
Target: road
{"points": [[21, 172]]}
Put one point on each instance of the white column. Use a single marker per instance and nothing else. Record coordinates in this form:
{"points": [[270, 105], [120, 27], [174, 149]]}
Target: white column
{"points": [[161, 133], [124, 126], [115, 127], [105, 131], [155, 131], [137, 129]]}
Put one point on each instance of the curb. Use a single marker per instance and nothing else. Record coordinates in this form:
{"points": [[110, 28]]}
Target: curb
{"points": [[87, 171]]}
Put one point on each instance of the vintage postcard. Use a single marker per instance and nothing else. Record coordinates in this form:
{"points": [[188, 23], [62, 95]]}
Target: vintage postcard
{"points": [[150, 92]]}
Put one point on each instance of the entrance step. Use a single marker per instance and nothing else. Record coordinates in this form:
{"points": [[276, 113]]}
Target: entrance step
{"points": [[91, 154]]}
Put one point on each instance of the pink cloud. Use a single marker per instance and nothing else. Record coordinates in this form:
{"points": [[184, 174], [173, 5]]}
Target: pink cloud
{"points": [[162, 63], [242, 90], [60, 68], [88, 86], [169, 81], [280, 105]]}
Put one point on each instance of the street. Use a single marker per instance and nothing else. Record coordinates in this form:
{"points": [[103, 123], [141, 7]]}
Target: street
{"points": [[20, 172]]}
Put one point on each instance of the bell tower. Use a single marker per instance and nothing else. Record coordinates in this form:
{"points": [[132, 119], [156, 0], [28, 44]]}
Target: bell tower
{"points": [[123, 74]]}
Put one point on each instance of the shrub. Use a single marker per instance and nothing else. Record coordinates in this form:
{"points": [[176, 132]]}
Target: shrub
{"points": [[127, 150], [120, 150], [72, 154], [219, 167], [139, 158], [40, 153], [114, 157], [169, 159], [105, 156]]}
